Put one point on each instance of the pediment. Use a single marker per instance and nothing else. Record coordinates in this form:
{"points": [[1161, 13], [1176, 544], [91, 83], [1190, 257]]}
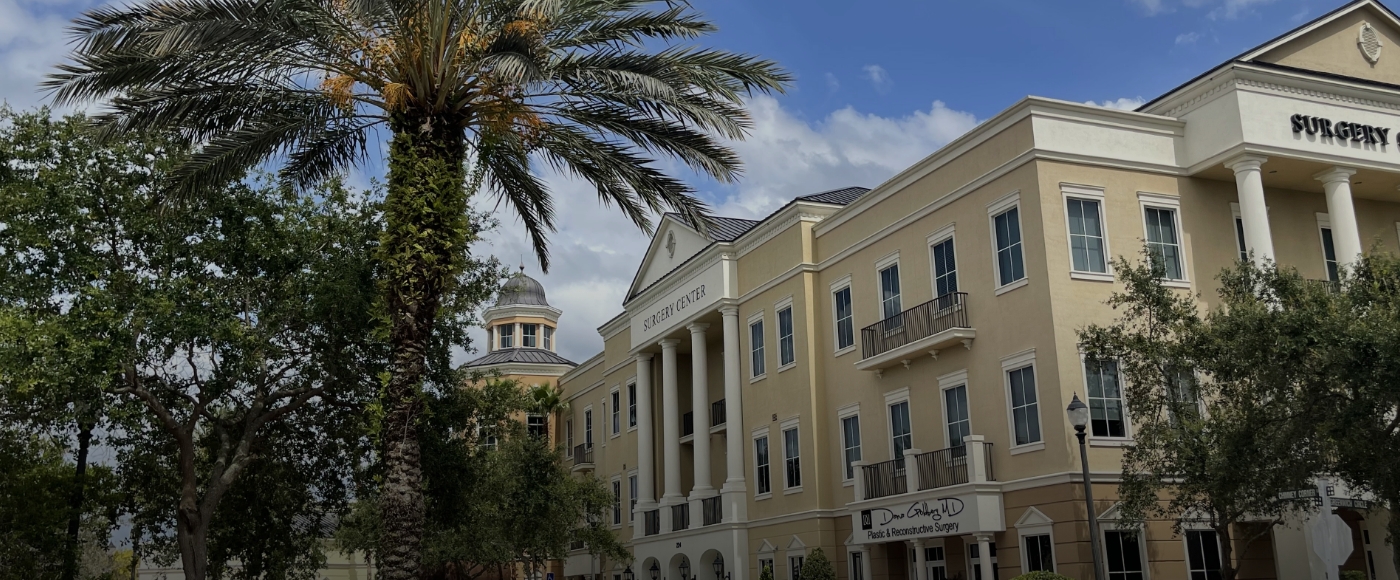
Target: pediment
{"points": [[796, 544], [1359, 40], [673, 244], [1033, 518], [766, 548], [1113, 513]]}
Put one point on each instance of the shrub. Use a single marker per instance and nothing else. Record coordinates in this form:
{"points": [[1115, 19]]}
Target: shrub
{"points": [[1353, 575], [818, 567], [766, 573]]}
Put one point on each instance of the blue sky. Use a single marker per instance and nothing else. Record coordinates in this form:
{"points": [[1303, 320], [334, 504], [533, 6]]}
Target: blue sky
{"points": [[880, 84]]}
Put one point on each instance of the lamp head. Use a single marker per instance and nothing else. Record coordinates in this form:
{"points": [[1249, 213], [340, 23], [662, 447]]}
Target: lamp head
{"points": [[655, 571], [719, 567], [627, 574], [685, 568], [1078, 413]]}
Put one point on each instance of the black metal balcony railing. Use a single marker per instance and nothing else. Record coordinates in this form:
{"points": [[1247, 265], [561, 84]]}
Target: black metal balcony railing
{"points": [[583, 454], [717, 413], [883, 479], [711, 511], [942, 468], [688, 424], [576, 545], [680, 517], [651, 522], [945, 312]]}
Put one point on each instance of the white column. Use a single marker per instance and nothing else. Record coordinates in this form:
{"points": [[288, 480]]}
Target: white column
{"points": [[736, 502], [646, 469], [976, 458], [1253, 210], [670, 424], [1346, 238], [984, 555], [920, 561], [700, 402], [911, 470]]}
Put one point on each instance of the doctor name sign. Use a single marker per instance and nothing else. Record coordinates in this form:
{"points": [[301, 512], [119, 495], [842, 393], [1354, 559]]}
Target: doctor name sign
{"points": [[944, 516]]}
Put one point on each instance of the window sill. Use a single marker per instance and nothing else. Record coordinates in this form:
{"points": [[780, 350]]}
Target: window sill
{"points": [[1177, 284], [848, 483], [763, 496], [1012, 286], [632, 428], [1106, 442], [788, 367], [1091, 276], [757, 378], [792, 490], [844, 351], [1027, 448], [720, 428], [615, 435]]}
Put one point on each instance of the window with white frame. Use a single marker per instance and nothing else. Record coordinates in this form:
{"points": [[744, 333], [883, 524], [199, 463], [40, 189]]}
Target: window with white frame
{"points": [[857, 565], [974, 552], [616, 411], [1240, 243], [945, 268], [756, 360], [765, 564], [1329, 251], [792, 462], [631, 405], [900, 433], [528, 334], [1124, 555], [958, 416], [617, 502], [507, 332], [1164, 239], [764, 482], [1108, 415], [549, 338], [1202, 555], [795, 566], [535, 425], [588, 428], [569, 437], [1088, 244], [1025, 409], [1183, 397], [845, 324], [632, 493], [889, 291], [850, 443], [936, 563], [1006, 233], [1039, 555], [786, 352]]}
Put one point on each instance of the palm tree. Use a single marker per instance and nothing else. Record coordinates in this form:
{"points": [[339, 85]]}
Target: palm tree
{"points": [[548, 401], [589, 88]]}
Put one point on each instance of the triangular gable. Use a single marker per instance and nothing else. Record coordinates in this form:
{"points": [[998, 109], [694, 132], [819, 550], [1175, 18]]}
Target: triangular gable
{"points": [[1033, 518], [766, 548], [673, 244], [796, 544], [1336, 44], [1113, 513]]}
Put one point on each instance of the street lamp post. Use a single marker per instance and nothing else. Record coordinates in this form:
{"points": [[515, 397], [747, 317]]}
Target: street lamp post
{"points": [[627, 574], [655, 571], [719, 568], [1079, 417], [685, 568]]}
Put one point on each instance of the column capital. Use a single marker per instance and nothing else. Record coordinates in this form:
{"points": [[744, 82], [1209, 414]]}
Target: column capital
{"points": [[1333, 174], [668, 342], [983, 538], [641, 356], [698, 327], [729, 310], [1246, 162]]}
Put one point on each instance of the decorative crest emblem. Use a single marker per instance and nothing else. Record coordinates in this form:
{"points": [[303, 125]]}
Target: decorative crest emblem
{"points": [[670, 244], [1370, 42]]}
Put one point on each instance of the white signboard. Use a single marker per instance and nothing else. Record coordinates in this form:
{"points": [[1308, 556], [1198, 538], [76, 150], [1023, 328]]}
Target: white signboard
{"points": [[697, 293], [929, 518]]}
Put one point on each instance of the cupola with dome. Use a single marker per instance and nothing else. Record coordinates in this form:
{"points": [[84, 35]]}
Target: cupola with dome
{"points": [[520, 330]]}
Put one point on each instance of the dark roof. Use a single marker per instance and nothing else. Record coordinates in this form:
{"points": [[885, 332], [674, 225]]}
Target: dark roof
{"points": [[520, 355], [722, 229], [521, 289], [843, 196]]}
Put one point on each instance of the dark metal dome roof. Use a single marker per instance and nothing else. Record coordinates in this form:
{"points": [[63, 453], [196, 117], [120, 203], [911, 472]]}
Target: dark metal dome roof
{"points": [[521, 289]]}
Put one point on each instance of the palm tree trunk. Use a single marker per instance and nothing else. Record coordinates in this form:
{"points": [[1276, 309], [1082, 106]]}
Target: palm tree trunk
{"points": [[425, 215]]}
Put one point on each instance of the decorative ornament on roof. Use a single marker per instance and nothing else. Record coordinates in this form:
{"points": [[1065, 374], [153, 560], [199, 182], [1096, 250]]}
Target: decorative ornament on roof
{"points": [[1369, 40], [670, 244]]}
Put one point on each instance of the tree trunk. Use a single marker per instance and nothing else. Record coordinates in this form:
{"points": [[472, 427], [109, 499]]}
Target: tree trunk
{"points": [[135, 551], [192, 537], [1393, 529], [425, 215], [1227, 549], [75, 502]]}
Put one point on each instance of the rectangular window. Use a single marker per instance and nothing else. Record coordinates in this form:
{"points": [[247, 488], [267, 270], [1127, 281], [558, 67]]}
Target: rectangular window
{"points": [[889, 292], [765, 564], [975, 560], [617, 502], [945, 269], [1039, 555], [850, 439], [857, 566], [1184, 398], [1086, 238], [1107, 414], [632, 405], [616, 412], [937, 565], [1162, 240], [791, 459], [900, 437], [549, 338], [1239, 239], [1124, 557], [507, 335], [845, 326], [527, 335], [1329, 254], [756, 348], [588, 428], [786, 355], [760, 454], [569, 437], [959, 421], [1011, 265], [795, 564], [1202, 555], [631, 494], [1025, 412], [535, 425]]}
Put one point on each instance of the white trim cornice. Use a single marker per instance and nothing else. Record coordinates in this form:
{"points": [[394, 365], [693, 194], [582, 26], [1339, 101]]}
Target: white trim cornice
{"points": [[535, 369], [594, 361], [549, 313]]}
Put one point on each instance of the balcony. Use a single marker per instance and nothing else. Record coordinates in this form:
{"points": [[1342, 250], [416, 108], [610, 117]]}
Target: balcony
{"points": [[932, 470], [717, 413], [923, 329], [583, 457], [651, 522], [688, 424], [711, 511], [680, 517], [884, 479]]}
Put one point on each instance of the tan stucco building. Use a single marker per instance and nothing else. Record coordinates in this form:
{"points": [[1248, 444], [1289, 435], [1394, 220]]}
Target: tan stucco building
{"points": [[883, 373]]}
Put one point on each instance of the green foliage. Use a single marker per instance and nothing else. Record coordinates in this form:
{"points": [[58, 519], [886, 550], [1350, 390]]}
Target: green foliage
{"points": [[817, 566], [1354, 575], [766, 573], [1041, 575]]}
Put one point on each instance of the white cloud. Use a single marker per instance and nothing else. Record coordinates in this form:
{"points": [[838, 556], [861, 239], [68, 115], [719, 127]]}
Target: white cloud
{"points": [[1300, 16], [596, 251], [878, 77], [1220, 9], [32, 41], [1232, 9], [1152, 7], [1187, 38], [832, 83], [1124, 103]]}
